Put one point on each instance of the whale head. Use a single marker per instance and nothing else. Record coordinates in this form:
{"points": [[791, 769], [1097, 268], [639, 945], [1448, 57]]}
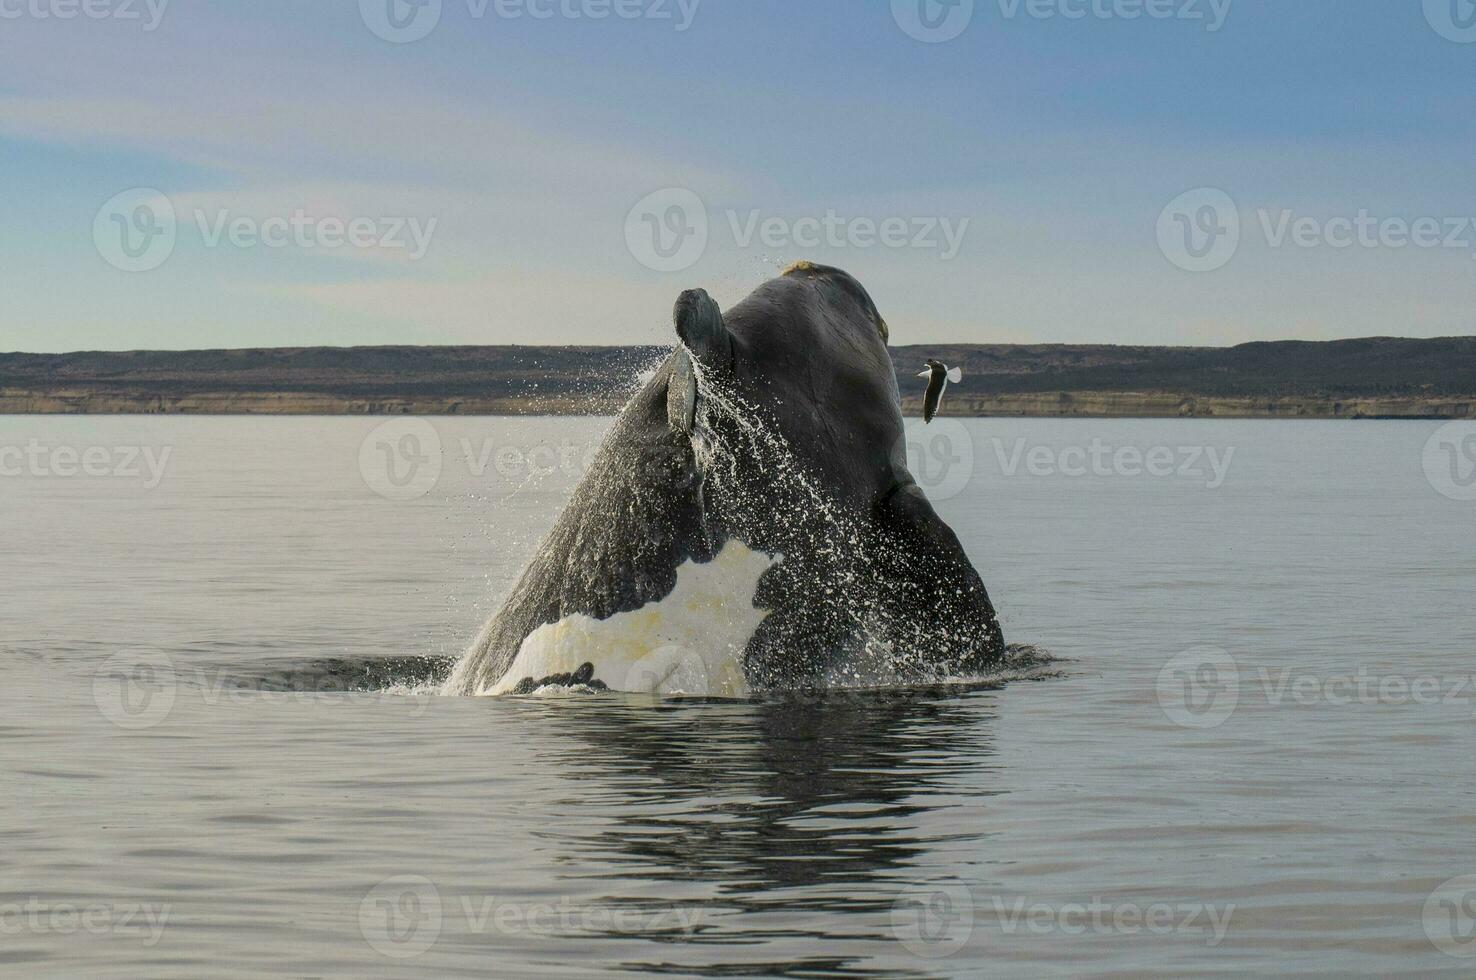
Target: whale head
{"points": [[807, 352]]}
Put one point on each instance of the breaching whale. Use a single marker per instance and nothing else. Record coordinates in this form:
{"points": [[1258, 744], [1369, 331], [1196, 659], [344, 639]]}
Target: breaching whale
{"points": [[748, 523]]}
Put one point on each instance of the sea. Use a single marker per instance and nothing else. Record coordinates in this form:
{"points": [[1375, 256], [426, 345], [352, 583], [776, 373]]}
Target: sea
{"points": [[1245, 743]]}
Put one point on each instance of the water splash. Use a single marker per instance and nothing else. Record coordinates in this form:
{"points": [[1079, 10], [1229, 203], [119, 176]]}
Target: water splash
{"points": [[755, 481]]}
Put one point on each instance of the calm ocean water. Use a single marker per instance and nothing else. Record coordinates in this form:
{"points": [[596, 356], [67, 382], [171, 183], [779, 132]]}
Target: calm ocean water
{"points": [[220, 756]]}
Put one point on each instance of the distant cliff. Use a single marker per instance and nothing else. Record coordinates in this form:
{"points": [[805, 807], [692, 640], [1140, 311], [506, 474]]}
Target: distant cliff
{"points": [[1375, 377]]}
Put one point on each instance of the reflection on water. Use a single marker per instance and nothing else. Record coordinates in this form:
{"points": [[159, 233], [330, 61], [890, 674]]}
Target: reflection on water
{"points": [[803, 818], [792, 792]]}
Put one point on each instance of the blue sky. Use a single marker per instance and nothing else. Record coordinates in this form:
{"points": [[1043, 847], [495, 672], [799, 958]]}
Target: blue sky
{"points": [[1050, 144]]}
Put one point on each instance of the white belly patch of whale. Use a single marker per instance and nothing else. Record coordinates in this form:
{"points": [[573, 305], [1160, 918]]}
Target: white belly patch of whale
{"points": [[689, 643]]}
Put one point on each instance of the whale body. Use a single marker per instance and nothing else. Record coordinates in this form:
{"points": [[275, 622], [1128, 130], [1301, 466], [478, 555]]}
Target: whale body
{"points": [[749, 523]]}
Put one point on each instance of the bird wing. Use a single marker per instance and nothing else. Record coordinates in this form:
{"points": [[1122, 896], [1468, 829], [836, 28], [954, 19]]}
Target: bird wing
{"points": [[955, 374]]}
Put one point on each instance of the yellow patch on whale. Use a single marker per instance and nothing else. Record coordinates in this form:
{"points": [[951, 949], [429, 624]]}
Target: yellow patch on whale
{"points": [[690, 642]]}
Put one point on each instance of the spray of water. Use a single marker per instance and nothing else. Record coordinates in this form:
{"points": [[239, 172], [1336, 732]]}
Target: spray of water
{"points": [[756, 484]]}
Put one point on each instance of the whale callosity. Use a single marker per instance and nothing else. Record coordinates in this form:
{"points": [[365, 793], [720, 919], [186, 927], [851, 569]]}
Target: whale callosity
{"points": [[690, 642]]}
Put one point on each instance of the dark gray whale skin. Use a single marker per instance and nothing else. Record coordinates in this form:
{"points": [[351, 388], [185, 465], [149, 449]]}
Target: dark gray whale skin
{"points": [[807, 353]]}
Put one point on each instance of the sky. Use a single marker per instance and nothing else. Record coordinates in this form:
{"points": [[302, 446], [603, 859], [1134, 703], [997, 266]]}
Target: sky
{"points": [[179, 174]]}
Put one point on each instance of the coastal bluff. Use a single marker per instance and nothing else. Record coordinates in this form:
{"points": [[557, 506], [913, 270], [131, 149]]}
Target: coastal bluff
{"points": [[1378, 377]]}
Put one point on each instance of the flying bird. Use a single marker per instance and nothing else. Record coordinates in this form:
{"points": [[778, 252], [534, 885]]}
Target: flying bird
{"points": [[938, 375]]}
